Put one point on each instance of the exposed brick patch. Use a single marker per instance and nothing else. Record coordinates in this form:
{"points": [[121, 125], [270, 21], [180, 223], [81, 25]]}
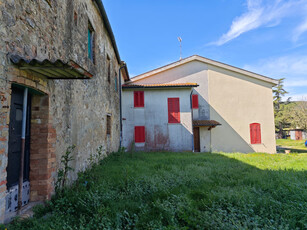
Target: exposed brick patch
{"points": [[43, 157]]}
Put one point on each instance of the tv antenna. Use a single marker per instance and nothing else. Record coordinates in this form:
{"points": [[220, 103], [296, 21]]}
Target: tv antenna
{"points": [[180, 40]]}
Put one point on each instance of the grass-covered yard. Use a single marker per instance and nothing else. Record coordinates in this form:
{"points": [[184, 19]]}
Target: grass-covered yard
{"points": [[293, 145], [183, 191]]}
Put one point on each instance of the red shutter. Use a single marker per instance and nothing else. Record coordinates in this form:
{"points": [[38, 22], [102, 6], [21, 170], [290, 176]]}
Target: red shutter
{"points": [[138, 98], [255, 133], [173, 110], [195, 101], [139, 134], [141, 98], [135, 98]]}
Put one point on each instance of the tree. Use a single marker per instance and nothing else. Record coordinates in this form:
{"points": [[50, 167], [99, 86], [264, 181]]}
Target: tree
{"points": [[299, 115], [279, 92], [280, 111]]}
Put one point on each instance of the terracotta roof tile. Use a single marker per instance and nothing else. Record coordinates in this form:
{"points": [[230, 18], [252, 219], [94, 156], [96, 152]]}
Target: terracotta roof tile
{"points": [[166, 85]]}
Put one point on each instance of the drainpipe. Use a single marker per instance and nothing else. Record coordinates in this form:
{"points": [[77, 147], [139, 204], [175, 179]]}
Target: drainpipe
{"points": [[192, 120], [23, 143], [123, 65]]}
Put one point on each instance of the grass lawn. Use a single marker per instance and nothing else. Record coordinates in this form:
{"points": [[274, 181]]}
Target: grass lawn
{"points": [[293, 145], [183, 191]]}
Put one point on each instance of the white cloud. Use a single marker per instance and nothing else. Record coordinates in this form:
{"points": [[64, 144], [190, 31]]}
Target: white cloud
{"points": [[299, 30], [296, 97], [264, 13], [293, 68]]}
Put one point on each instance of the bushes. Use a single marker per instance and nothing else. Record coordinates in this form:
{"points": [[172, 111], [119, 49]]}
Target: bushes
{"points": [[179, 191]]}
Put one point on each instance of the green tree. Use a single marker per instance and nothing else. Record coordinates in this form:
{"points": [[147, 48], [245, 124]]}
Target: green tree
{"points": [[299, 115], [280, 111]]}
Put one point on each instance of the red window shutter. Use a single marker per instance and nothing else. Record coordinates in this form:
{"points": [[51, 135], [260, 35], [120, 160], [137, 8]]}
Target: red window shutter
{"points": [[141, 98], [173, 110], [255, 133], [135, 98], [138, 98], [139, 134], [195, 101]]}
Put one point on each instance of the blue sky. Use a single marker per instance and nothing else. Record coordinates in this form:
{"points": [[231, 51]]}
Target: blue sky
{"points": [[268, 37]]}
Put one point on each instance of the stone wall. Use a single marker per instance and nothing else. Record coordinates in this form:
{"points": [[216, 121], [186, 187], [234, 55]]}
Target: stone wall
{"points": [[67, 112]]}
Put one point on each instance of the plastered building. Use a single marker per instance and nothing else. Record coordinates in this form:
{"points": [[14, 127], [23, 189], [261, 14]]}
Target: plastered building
{"points": [[214, 107]]}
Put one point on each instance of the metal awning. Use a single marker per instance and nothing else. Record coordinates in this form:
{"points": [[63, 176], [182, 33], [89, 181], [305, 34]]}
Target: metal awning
{"points": [[52, 69], [206, 123]]}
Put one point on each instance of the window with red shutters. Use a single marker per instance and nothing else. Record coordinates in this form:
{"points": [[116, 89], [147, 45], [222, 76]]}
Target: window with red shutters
{"points": [[138, 98], [173, 110], [194, 101], [139, 134], [255, 133]]}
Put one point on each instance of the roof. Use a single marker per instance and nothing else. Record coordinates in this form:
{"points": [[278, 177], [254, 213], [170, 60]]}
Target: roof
{"points": [[106, 21], [211, 123], [150, 86], [207, 61], [107, 24], [52, 69]]}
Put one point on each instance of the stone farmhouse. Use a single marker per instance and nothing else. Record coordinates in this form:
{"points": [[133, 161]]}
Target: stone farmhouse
{"points": [[63, 83], [60, 76], [197, 104]]}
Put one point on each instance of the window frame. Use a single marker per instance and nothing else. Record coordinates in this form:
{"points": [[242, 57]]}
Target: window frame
{"points": [[255, 133], [91, 42], [139, 134], [116, 82], [108, 68], [195, 102], [139, 99], [173, 112], [109, 125]]}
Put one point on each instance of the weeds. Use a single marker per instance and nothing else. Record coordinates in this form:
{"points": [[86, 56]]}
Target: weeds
{"points": [[182, 191], [64, 169]]}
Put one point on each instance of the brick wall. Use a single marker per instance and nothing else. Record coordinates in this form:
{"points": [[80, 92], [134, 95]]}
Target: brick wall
{"points": [[42, 152]]}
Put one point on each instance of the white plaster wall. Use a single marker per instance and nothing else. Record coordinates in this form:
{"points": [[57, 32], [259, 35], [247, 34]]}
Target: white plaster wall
{"points": [[236, 101], [191, 72], [233, 99], [205, 139], [154, 116]]}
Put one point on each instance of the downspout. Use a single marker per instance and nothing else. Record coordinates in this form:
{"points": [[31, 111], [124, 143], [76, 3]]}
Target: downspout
{"points": [[23, 143], [120, 106], [192, 120]]}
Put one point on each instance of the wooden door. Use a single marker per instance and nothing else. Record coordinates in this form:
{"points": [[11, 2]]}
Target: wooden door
{"points": [[196, 139], [299, 135], [14, 150]]}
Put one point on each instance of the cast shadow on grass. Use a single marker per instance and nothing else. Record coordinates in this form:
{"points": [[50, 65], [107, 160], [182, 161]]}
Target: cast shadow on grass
{"points": [[180, 191]]}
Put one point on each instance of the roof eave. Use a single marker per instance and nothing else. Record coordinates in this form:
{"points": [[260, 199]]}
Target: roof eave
{"points": [[207, 61], [157, 87], [108, 26]]}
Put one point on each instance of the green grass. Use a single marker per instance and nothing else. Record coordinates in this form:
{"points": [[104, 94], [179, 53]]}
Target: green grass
{"points": [[291, 143], [183, 191]]}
